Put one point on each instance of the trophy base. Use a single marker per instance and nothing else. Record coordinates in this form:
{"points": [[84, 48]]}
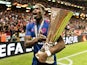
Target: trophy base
{"points": [[50, 59]]}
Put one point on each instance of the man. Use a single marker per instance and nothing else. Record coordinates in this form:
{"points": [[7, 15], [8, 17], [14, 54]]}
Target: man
{"points": [[36, 33]]}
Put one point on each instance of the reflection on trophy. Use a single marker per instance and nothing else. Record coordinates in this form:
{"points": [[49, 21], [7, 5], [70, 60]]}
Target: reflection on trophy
{"points": [[59, 20]]}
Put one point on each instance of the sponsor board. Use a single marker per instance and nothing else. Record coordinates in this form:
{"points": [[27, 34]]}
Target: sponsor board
{"points": [[13, 48]]}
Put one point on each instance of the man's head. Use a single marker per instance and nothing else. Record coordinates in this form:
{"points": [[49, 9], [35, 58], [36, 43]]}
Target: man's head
{"points": [[39, 11]]}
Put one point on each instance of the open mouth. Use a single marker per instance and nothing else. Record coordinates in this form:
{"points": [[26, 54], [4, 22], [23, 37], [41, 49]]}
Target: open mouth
{"points": [[34, 13]]}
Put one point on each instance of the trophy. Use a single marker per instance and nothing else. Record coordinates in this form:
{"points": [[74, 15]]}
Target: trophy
{"points": [[59, 20]]}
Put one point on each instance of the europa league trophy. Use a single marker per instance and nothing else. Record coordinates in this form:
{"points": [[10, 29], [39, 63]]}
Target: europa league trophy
{"points": [[59, 20]]}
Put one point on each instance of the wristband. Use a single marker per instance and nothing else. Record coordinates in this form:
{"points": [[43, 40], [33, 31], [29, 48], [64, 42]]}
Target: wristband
{"points": [[48, 53], [55, 43], [33, 38]]}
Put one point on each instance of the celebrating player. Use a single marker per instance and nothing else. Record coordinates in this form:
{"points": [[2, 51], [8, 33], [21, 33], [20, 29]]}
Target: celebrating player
{"points": [[36, 33]]}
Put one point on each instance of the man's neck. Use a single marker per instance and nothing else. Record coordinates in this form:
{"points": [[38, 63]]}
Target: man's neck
{"points": [[39, 21]]}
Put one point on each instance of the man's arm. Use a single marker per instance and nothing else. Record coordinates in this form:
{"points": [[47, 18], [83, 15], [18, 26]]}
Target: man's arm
{"points": [[58, 47], [29, 41]]}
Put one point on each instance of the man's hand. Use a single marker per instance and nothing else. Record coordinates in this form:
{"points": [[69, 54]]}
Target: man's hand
{"points": [[41, 37], [41, 56]]}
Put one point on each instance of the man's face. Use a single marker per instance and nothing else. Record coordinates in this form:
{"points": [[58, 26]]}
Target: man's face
{"points": [[37, 12]]}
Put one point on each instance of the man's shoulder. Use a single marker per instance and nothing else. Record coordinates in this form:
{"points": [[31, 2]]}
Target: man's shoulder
{"points": [[30, 24]]}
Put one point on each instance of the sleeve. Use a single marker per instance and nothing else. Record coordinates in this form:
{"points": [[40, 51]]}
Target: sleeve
{"points": [[28, 30]]}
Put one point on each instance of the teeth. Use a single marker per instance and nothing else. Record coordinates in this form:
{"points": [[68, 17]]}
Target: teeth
{"points": [[34, 13]]}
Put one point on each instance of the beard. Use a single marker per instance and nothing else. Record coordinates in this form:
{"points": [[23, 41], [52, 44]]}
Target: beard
{"points": [[37, 17], [38, 20]]}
